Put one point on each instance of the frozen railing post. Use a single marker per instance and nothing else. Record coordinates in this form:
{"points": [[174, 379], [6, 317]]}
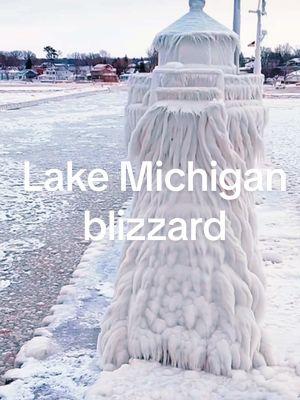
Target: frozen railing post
{"points": [[193, 304], [237, 27], [237, 17]]}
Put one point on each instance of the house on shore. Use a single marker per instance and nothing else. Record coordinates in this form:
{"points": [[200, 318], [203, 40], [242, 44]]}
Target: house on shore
{"points": [[274, 67], [56, 72], [293, 77], [27, 74], [104, 73], [15, 74]]}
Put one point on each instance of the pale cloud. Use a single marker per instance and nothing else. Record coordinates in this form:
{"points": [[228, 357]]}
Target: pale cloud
{"points": [[121, 26]]}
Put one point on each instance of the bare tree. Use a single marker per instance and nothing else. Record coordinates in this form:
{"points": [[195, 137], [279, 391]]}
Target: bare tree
{"points": [[286, 51], [153, 58], [51, 53], [104, 54]]}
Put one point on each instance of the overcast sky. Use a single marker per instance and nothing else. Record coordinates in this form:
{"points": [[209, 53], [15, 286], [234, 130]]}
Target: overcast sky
{"points": [[127, 26]]}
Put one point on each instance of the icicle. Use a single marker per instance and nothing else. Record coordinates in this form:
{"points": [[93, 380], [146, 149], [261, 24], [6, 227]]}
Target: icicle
{"points": [[192, 304], [139, 86], [213, 48], [134, 113], [245, 126], [190, 94], [195, 305], [187, 77]]}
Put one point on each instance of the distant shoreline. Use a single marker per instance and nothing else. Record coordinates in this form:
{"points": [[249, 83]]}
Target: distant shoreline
{"points": [[289, 92]]}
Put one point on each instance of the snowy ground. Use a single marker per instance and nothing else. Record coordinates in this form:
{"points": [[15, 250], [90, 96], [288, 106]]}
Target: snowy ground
{"points": [[72, 329], [24, 94], [291, 91]]}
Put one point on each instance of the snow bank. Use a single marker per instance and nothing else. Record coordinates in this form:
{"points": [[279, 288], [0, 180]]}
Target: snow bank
{"points": [[43, 97], [142, 380], [38, 348]]}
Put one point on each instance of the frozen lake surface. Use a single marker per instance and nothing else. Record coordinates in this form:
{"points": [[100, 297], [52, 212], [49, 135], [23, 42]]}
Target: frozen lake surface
{"points": [[12, 94], [41, 235]]}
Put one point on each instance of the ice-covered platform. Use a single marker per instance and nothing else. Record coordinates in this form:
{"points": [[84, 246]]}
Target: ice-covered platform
{"points": [[240, 94], [61, 361], [73, 369]]}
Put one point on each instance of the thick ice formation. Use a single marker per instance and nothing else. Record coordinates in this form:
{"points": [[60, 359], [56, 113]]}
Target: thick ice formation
{"points": [[196, 38], [192, 304], [139, 86]]}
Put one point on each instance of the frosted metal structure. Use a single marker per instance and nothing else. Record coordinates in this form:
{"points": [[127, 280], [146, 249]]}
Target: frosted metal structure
{"points": [[260, 34], [192, 304], [237, 17]]}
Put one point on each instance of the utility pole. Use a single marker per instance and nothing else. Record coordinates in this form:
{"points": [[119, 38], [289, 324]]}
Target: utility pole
{"points": [[260, 34], [237, 17], [237, 28]]}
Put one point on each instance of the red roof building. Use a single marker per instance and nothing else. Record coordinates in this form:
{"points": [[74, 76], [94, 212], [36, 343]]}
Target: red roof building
{"points": [[104, 73]]}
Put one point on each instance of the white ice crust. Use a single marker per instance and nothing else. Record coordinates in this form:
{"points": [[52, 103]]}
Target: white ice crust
{"points": [[195, 305], [196, 38]]}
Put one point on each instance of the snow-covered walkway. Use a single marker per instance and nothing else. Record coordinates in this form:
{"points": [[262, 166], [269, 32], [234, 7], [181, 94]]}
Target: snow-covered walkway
{"points": [[28, 95], [72, 331]]}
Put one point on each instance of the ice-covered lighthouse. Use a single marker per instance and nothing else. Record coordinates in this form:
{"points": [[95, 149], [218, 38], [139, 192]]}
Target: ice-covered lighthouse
{"points": [[192, 304]]}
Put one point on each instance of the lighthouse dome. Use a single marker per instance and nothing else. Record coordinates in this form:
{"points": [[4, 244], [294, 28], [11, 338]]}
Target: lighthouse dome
{"points": [[196, 38]]}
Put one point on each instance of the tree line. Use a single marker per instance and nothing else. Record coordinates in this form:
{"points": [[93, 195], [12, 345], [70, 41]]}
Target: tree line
{"points": [[272, 59], [28, 59]]}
